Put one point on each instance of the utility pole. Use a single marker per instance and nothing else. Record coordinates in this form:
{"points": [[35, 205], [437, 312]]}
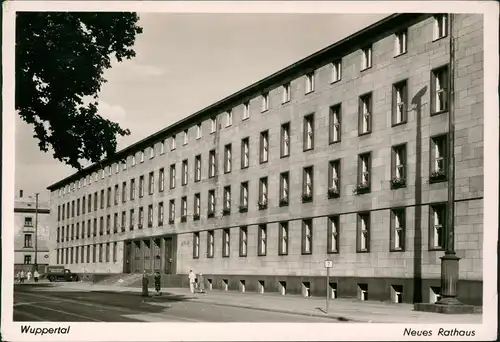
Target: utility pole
{"points": [[449, 262], [36, 231]]}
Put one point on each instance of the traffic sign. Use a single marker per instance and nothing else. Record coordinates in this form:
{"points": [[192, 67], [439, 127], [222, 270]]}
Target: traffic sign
{"points": [[328, 263]]}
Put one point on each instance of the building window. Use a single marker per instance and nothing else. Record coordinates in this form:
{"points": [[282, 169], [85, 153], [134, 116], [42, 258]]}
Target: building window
{"points": [[185, 172], [398, 166], [264, 146], [334, 179], [399, 103], [307, 184], [310, 82], [439, 90], [309, 132], [243, 241], [263, 193], [246, 110], [283, 238], [108, 198], [197, 207], [28, 241], [398, 230], [366, 58], [28, 222], [364, 174], [108, 226], [184, 209], [133, 161], [365, 114], [172, 143], [27, 259], [400, 43], [226, 243], [333, 238], [336, 71], [285, 140], [210, 244], [197, 168], [211, 203], [227, 200], [262, 239], [196, 245], [132, 189], [245, 153], [437, 225], [440, 26], [123, 221], [211, 164], [141, 217], [100, 252], [227, 158], [107, 252], [89, 204], [439, 160], [141, 186], [265, 102], [244, 197], [150, 216], [161, 180], [151, 185], [363, 231], [152, 152], [229, 118], [88, 254], [286, 93], [78, 207], [334, 123], [161, 214], [124, 192], [307, 237], [171, 211], [198, 131], [284, 189], [141, 156], [172, 176], [185, 140], [162, 148], [132, 219], [213, 125]]}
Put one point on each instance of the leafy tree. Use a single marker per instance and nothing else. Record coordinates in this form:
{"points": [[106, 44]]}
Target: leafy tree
{"points": [[60, 61]]}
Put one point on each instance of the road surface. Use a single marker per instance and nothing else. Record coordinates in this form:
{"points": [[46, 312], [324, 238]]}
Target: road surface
{"points": [[32, 303]]}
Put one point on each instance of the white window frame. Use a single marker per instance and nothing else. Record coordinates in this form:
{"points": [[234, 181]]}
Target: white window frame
{"points": [[399, 166], [399, 226], [336, 71], [161, 179], [307, 236], [310, 80], [441, 90], [162, 147], [284, 186], [286, 139], [284, 237], [437, 227], [184, 206], [227, 197], [228, 156], [133, 160], [185, 142], [265, 102], [246, 110], [185, 172], [172, 143], [309, 131], [365, 169], [171, 211], [263, 193], [365, 114], [211, 202], [400, 43], [198, 131], [246, 153], [439, 155], [400, 104], [363, 231], [244, 241], [265, 147], [286, 93], [197, 168], [334, 223], [213, 125], [244, 187], [197, 204], [141, 156], [440, 26], [229, 118]]}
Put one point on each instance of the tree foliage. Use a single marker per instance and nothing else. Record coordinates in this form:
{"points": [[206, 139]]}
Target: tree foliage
{"points": [[60, 61]]}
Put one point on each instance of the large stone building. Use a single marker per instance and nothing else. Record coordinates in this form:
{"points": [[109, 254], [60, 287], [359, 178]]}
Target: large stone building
{"points": [[341, 156], [31, 233]]}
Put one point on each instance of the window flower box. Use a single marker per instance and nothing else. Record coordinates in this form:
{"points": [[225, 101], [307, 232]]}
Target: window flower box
{"points": [[183, 218], [361, 188], [211, 214], [397, 183], [171, 221], [243, 209], [307, 198], [196, 217], [333, 193], [437, 176], [226, 211]]}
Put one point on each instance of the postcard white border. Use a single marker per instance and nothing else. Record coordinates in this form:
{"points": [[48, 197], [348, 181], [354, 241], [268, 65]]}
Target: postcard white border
{"points": [[256, 331]]}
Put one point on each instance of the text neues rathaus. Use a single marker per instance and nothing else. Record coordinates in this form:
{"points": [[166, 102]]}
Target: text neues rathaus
{"points": [[341, 156]]}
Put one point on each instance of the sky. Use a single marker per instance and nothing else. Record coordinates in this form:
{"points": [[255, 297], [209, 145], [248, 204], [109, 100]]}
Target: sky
{"points": [[184, 63]]}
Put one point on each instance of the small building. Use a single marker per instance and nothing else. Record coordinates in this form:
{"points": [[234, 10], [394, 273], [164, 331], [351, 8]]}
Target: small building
{"points": [[32, 233]]}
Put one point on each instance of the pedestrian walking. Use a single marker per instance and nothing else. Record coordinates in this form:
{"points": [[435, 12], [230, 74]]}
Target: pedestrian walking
{"points": [[192, 281], [145, 283], [18, 276], [201, 283], [22, 276], [36, 275], [28, 276], [157, 277]]}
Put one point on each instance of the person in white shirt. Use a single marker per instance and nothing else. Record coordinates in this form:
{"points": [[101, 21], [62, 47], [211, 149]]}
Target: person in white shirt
{"points": [[192, 279], [28, 276], [36, 275]]}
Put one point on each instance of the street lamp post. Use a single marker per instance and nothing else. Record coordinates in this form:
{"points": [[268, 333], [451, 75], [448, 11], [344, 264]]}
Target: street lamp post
{"points": [[449, 262], [36, 231]]}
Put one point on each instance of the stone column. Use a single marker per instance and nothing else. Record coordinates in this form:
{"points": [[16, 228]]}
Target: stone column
{"points": [[142, 256], [162, 254]]}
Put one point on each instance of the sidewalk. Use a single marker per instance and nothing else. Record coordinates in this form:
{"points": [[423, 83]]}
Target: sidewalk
{"points": [[340, 309]]}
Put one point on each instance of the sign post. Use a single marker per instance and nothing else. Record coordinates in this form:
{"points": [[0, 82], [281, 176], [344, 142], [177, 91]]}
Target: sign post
{"points": [[328, 265]]}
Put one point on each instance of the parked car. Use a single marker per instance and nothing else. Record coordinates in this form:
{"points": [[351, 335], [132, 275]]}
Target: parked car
{"points": [[59, 273]]}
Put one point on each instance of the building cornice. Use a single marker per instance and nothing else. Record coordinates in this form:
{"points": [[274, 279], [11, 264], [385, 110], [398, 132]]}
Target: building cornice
{"points": [[31, 210], [331, 53]]}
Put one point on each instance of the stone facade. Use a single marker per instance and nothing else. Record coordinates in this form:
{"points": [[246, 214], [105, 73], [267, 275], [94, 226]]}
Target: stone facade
{"points": [[418, 255]]}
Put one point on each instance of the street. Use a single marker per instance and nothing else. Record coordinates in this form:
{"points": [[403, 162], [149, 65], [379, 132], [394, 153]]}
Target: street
{"points": [[35, 303]]}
